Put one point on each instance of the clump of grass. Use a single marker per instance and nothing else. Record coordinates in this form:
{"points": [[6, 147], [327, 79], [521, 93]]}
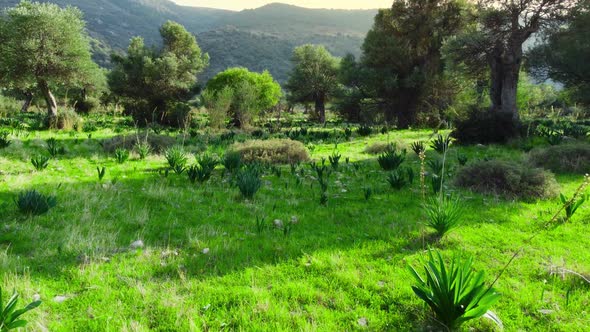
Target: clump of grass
{"points": [[232, 161], [54, 148], [441, 143], [391, 160], [32, 202], [443, 213], [40, 162], [379, 148], [143, 149], [177, 159], [101, 172], [364, 130], [566, 158], [454, 292], [397, 180], [248, 181], [507, 179], [121, 155], [335, 159]]}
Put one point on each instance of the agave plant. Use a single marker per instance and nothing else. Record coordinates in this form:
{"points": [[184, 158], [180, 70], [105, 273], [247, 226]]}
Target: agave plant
{"points": [[143, 149], [177, 158], [396, 180], [335, 159], [10, 316], [4, 139], [418, 147], [390, 160], [121, 155], [232, 161], [54, 148], [40, 162], [441, 143], [101, 172], [34, 203], [570, 208], [454, 292], [248, 181]]}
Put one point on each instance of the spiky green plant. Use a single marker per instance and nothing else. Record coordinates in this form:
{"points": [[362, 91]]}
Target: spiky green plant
{"points": [[232, 161], [54, 148], [248, 181], [32, 202], [207, 162], [396, 180], [335, 159], [454, 292], [101, 172], [4, 139], [143, 149], [441, 144], [121, 155], [390, 160], [40, 162], [443, 213], [570, 208], [177, 159], [10, 316], [418, 147], [462, 159]]}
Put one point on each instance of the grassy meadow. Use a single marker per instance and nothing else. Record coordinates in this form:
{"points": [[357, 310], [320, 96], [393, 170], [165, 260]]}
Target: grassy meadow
{"points": [[210, 260]]}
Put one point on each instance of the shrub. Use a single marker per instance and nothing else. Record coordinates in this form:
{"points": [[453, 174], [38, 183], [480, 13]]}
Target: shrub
{"points": [[455, 293], [507, 179], [443, 214], [276, 151], [379, 148], [232, 161], [10, 316], [486, 127], [248, 181], [203, 170], [87, 105], [67, 119], [364, 130], [40, 162], [567, 158], [157, 143], [391, 160], [34, 203]]}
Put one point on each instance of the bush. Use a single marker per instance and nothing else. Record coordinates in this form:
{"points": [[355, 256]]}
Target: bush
{"points": [[232, 161], [379, 148], [507, 179], [485, 127], [67, 119], [276, 151], [87, 105], [34, 203], [567, 158], [157, 143]]}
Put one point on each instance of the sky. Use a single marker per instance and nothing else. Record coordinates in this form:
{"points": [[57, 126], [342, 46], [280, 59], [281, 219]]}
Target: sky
{"points": [[247, 4]]}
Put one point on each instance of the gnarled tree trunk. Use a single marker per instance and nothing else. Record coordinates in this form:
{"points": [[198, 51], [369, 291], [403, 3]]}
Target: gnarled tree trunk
{"points": [[320, 108], [49, 99], [27, 103]]}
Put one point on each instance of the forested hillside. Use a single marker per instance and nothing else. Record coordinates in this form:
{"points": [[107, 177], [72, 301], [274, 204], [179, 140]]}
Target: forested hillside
{"points": [[258, 39]]}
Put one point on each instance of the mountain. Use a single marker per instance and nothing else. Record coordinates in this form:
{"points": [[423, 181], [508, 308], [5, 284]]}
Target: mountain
{"points": [[257, 39]]}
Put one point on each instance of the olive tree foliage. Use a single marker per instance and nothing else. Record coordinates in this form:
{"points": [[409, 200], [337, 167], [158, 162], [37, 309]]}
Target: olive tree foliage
{"points": [[155, 83], [44, 47], [314, 78], [494, 46], [251, 93], [563, 54], [402, 54]]}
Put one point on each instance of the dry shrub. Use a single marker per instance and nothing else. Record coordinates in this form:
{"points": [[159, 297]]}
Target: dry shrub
{"points": [[567, 158], [276, 151], [381, 147], [507, 179], [67, 119], [158, 143]]}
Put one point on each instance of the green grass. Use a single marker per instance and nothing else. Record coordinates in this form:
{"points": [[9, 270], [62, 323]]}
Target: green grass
{"points": [[206, 267]]}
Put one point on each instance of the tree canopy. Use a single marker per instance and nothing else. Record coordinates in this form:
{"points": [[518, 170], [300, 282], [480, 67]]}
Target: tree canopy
{"points": [[251, 92], [153, 81], [43, 47], [313, 78]]}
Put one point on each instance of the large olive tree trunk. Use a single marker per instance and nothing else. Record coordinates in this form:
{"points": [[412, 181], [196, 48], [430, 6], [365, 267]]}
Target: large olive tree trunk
{"points": [[27, 102], [505, 69], [49, 99], [320, 108]]}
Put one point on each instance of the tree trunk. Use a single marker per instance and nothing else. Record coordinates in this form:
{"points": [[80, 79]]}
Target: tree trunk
{"points": [[496, 81], [406, 109], [320, 109], [49, 99], [27, 103], [511, 70]]}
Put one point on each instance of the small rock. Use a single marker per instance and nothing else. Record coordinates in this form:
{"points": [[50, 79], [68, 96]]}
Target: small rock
{"points": [[59, 299], [36, 297], [546, 311], [278, 223], [363, 322], [294, 220], [137, 244], [205, 251]]}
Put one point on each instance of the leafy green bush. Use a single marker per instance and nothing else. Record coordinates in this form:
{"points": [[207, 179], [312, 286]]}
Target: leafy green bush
{"points": [[34, 203], [485, 127], [507, 179], [454, 293], [275, 151], [444, 214], [248, 181], [10, 316], [566, 158], [391, 160], [40, 162]]}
